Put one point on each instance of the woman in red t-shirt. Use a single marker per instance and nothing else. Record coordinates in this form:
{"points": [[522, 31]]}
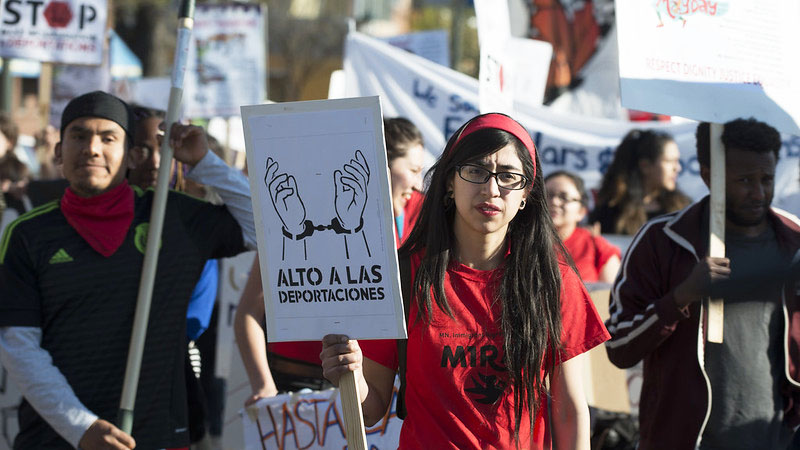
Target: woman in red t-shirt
{"points": [[595, 258], [496, 322]]}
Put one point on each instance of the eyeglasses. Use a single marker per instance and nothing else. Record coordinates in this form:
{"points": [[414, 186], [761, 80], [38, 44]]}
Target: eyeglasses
{"points": [[478, 175], [562, 196]]}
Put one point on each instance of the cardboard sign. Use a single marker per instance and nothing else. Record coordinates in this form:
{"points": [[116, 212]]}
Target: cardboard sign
{"points": [[227, 60], [61, 31], [312, 421], [712, 60], [320, 186]]}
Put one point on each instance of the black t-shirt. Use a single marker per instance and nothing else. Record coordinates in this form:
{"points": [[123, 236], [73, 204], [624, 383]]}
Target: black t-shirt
{"points": [[84, 303]]}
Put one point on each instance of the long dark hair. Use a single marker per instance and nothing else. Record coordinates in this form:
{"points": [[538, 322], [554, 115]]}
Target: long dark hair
{"points": [[623, 184], [530, 288]]}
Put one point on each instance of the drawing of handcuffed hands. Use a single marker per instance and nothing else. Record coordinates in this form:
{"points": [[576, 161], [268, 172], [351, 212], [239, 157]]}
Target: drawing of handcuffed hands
{"points": [[350, 188], [351, 192]]}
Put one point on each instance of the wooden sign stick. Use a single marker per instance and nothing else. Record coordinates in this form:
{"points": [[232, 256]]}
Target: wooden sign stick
{"points": [[353, 417], [716, 245]]}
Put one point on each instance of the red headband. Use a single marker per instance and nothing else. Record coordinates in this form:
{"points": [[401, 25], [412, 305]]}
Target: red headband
{"points": [[501, 122]]}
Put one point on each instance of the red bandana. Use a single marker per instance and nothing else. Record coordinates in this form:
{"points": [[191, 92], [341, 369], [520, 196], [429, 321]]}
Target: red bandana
{"points": [[103, 220]]}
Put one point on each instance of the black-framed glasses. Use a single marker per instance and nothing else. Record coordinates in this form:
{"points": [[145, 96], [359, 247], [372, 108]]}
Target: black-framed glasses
{"points": [[478, 175], [563, 197]]}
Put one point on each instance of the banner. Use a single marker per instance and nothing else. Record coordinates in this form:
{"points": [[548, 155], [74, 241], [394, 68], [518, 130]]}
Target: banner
{"points": [[319, 179], [312, 421], [227, 60], [712, 60], [439, 100], [59, 31]]}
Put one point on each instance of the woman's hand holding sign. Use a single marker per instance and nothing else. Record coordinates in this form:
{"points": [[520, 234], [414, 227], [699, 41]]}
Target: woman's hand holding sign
{"points": [[351, 192], [285, 198]]}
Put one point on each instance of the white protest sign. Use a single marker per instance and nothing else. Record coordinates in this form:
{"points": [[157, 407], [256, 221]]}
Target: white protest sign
{"points": [[233, 274], [312, 421], [61, 31], [439, 100], [320, 188], [227, 60], [496, 93], [712, 60], [529, 62]]}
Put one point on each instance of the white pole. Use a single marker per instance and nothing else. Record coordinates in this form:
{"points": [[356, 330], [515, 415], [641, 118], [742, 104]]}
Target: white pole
{"points": [[142, 315], [716, 245]]}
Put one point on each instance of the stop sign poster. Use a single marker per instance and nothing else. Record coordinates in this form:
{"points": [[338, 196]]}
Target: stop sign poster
{"points": [[60, 31]]}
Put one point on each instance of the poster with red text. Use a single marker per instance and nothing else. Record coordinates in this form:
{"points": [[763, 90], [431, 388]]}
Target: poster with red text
{"points": [[59, 31]]}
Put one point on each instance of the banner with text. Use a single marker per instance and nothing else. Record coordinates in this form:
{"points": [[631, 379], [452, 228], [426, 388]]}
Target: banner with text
{"points": [[712, 60], [60, 31], [439, 100]]}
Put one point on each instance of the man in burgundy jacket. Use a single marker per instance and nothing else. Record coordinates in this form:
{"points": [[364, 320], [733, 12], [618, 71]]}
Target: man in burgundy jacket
{"points": [[742, 393]]}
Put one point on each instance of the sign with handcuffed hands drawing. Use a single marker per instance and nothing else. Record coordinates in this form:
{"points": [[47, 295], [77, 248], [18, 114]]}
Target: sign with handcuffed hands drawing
{"points": [[320, 188]]}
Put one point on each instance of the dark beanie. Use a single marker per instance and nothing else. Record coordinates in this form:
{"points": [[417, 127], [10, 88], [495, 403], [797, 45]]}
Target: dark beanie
{"points": [[98, 104]]}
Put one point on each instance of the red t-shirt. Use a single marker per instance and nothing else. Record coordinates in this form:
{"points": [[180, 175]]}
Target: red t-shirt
{"points": [[590, 253], [457, 390]]}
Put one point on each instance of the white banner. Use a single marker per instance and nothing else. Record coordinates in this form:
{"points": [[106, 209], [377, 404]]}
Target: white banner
{"points": [[712, 60], [60, 31], [312, 421], [227, 60], [439, 100]]}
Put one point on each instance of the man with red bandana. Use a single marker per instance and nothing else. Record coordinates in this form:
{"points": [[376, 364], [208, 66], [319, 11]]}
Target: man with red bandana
{"points": [[69, 275]]}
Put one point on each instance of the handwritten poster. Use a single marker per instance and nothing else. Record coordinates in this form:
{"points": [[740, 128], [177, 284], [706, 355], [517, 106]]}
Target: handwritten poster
{"points": [[712, 60], [320, 189]]}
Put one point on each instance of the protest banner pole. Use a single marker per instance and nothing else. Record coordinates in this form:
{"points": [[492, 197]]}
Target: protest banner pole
{"points": [[716, 245], [353, 416], [6, 86], [139, 333], [45, 92]]}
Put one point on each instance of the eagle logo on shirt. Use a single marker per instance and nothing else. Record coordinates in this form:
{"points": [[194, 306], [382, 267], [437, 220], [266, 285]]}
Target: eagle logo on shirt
{"points": [[487, 390], [140, 237]]}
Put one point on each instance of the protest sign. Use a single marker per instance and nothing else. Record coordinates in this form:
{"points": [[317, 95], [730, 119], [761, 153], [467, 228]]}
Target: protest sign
{"points": [[495, 91], [712, 60], [227, 60], [439, 100], [233, 274], [60, 31], [311, 421], [326, 241]]}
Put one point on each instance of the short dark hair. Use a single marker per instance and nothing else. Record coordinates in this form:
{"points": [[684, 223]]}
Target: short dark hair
{"points": [[745, 134], [9, 129], [576, 180], [400, 134]]}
